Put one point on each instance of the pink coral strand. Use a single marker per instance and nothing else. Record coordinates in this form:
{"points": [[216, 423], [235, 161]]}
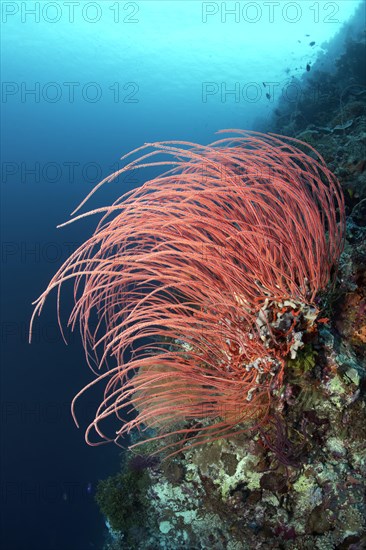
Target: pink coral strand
{"points": [[178, 270]]}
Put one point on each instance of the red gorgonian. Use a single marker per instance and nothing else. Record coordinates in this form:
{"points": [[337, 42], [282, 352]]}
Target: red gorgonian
{"points": [[199, 284]]}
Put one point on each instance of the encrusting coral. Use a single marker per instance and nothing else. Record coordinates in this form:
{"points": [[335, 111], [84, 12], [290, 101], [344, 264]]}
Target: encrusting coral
{"points": [[203, 281]]}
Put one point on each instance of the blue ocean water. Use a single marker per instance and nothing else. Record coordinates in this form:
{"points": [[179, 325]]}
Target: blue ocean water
{"points": [[82, 84]]}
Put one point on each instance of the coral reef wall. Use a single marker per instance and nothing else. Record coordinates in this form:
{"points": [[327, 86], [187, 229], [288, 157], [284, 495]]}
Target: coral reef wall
{"points": [[299, 482]]}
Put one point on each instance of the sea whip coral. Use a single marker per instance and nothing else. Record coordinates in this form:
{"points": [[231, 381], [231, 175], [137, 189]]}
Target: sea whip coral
{"points": [[199, 283]]}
